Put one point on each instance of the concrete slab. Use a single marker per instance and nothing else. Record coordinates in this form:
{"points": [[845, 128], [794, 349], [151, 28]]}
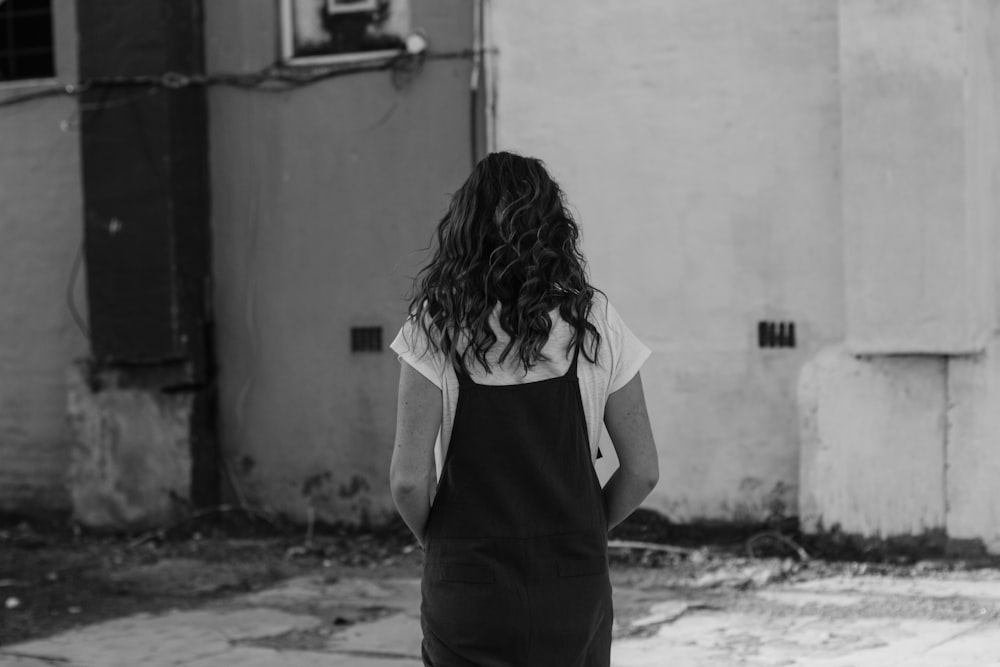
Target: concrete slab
{"points": [[796, 598], [698, 640], [988, 591], [978, 646], [260, 657], [397, 636], [170, 639], [388, 593]]}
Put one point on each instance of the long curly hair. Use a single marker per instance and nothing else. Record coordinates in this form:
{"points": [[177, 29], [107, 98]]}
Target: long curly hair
{"points": [[507, 238]]}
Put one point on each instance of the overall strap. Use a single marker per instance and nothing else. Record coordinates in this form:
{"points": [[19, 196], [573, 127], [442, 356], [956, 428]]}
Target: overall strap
{"points": [[463, 378], [571, 371]]}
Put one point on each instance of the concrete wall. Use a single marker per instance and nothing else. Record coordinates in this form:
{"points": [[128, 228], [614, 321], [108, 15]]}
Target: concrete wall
{"points": [[41, 227], [699, 143], [897, 445], [919, 166], [873, 444], [319, 198], [973, 449]]}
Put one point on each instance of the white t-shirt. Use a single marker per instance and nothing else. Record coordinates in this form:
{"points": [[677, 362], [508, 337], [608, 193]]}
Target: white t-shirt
{"points": [[619, 358]]}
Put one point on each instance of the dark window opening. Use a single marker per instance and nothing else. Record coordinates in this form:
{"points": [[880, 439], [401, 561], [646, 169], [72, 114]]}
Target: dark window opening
{"points": [[26, 42], [366, 339]]}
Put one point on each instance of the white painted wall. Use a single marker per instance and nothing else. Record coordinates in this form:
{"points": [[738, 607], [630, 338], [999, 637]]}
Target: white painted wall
{"points": [[698, 141], [41, 227], [973, 448], [873, 454], [893, 444], [919, 165]]}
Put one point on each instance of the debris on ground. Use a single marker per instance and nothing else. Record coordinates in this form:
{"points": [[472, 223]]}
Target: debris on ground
{"points": [[58, 576], [55, 577]]}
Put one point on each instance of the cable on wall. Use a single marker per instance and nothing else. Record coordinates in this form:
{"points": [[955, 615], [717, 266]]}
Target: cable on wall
{"points": [[276, 78]]}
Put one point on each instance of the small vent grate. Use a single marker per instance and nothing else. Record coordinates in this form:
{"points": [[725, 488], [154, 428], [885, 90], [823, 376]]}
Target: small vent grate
{"points": [[775, 334], [366, 339]]}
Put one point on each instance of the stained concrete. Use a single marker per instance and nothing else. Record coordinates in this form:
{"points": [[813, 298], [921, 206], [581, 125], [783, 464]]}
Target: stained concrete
{"points": [[873, 436], [131, 457]]}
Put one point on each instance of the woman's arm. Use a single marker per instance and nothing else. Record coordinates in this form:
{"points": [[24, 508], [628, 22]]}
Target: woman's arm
{"points": [[627, 420], [411, 474]]}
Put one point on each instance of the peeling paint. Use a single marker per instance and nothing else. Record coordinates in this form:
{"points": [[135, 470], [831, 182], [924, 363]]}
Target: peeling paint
{"points": [[358, 484], [313, 485], [131, 457]]}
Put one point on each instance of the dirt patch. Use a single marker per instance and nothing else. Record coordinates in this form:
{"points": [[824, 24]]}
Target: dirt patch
{"points": [[54, 578], [782, 538]]}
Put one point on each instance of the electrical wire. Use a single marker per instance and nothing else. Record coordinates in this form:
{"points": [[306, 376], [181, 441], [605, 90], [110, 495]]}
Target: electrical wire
{"points": [[276, 78]]}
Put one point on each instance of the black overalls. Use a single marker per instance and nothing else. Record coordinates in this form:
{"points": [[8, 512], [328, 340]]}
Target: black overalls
{"points": [[516, 568]]}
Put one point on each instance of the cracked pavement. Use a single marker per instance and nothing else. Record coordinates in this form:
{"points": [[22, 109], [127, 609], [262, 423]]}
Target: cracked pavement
{"points": [[732, 612]]}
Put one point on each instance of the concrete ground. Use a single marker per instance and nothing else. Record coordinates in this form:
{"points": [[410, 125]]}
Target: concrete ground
{"points": [[744, 612]]}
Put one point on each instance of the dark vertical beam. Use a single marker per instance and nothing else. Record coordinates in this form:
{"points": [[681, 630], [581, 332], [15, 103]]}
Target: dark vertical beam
{"points": [[144, 154]]}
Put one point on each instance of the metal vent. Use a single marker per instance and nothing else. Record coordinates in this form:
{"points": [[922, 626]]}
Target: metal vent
{"points": [[775, 334], [366, 339]]}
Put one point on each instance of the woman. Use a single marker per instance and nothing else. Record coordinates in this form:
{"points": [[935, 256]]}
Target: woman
{"points": [[509, 360]]}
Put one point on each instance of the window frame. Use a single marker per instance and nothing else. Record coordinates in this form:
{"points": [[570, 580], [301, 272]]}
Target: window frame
{"points": [[353, 8], [6, 54], [287, 42]]}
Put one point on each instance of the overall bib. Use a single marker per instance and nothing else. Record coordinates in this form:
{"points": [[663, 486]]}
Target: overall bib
{"points": [[516, 568]]}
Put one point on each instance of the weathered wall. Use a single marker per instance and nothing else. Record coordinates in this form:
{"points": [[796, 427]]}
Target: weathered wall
{"points": [[699, 142], [973, 449], [130, 466], [873, 449], [40, 234], [898, 445], [317, 195], [919, 170]]}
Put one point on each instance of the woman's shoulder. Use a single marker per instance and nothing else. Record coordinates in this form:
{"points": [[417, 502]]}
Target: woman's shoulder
{"points": [[603, 314]]}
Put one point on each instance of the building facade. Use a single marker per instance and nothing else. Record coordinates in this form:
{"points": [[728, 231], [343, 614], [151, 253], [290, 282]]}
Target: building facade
{"points": [[790, 201]]}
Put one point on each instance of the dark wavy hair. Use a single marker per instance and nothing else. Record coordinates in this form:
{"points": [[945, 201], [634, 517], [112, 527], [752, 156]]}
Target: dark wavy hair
{"points": [[507, 237]]}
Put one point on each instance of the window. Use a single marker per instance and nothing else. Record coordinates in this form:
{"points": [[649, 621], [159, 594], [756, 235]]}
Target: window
{"points": [[329, 31], [349, 6], [26, 48]]}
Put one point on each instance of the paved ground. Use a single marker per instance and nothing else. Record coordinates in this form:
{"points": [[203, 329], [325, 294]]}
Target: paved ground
{"points": [[735, 615]]}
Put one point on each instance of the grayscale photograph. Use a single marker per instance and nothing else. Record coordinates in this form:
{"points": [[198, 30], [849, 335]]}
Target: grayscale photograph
{"points": [[499, 333]]}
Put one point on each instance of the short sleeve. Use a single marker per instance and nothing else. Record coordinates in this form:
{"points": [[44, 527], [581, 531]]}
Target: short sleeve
{"points": [[628, 353], [412, 346]]}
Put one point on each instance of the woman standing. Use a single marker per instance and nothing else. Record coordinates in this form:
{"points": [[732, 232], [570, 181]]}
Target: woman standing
{"points": [[510, 359]]}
